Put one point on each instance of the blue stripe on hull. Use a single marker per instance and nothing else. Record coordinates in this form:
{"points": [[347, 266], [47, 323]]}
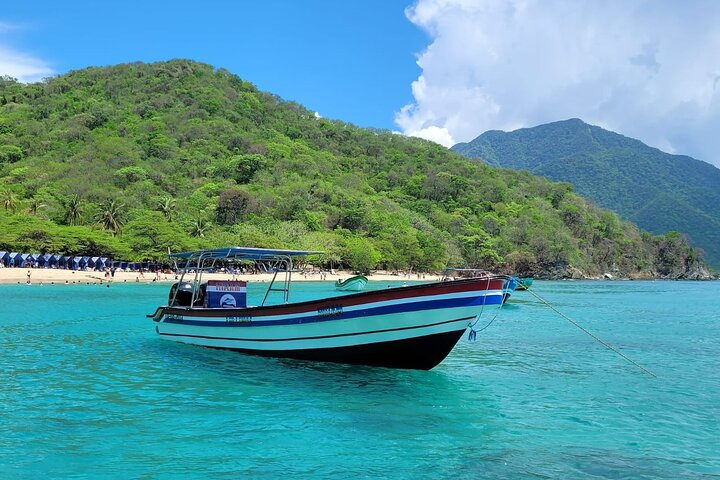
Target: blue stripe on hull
{"points": [[370, 312]]}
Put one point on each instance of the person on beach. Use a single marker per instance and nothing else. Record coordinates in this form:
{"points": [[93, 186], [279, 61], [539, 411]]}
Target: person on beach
{"points": [[28, 277]]}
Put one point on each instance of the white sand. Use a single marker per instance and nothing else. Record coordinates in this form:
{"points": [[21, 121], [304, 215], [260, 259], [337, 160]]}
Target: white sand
{"points": [[59, 276]]}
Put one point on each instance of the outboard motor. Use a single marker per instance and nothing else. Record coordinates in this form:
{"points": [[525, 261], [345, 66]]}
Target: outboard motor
{"points": [[183, 298]]}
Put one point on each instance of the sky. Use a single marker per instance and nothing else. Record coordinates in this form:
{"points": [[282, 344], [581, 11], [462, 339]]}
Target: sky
{"points": [[445, 70]]}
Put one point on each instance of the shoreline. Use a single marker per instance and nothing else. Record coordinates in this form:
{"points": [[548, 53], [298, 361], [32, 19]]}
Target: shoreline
{"points": [[44, 276]]}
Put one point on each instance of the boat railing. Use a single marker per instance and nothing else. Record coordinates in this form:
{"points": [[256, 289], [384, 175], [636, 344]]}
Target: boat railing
{"points": [[279, 262]]}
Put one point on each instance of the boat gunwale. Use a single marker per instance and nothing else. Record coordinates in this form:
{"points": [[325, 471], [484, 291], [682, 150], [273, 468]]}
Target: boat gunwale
{"points": [[353, 299]]}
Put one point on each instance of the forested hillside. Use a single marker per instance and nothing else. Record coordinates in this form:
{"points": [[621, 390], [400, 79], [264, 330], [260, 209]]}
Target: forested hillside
{"points": [[129, 160], [657, 191]]}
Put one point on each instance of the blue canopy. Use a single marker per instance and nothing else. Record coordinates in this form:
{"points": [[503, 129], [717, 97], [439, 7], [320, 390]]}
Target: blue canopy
{"points": [[53, 260], [4, 258], [244, 253], [76, 262], [65, 261], [18, 259], [42, 260]]}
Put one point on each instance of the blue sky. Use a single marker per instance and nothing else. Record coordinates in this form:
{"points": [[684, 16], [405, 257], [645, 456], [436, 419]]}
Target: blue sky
{"points": [[349, 60], [445, 70]]}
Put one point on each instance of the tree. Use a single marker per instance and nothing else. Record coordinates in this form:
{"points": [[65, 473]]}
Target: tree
{"points": [[198, 228], [73, 210], [9, 201], [35, 205], [232, 205], [111, 216], [167, 207], [360, 255]]}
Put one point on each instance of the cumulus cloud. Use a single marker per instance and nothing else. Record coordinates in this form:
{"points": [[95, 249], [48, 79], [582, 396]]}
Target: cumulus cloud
{"points": [[20, 65], [645, 68]]}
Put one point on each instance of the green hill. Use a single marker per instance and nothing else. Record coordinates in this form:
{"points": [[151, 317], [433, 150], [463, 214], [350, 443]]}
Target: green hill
{"points": [[132, 159], [657, 191]]}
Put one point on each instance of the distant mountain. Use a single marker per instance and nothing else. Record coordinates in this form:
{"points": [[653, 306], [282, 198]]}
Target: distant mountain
{"points": [[657, 191]]}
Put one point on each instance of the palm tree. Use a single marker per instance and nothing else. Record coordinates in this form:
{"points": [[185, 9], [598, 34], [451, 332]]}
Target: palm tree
{"points": [[111, 215], [35, 205], [167, 207], [9, 200], [73, 210], [198, 229]]}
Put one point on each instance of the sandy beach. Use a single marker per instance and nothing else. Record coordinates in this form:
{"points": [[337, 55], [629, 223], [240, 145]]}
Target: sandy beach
{"points": [[59, 276]]}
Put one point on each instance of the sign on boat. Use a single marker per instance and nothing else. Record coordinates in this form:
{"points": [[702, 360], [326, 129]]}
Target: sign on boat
{"points": [[413, 327]]}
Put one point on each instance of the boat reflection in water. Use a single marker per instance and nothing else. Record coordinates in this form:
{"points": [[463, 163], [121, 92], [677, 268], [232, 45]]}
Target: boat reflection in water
{"points": [[412, 327]]}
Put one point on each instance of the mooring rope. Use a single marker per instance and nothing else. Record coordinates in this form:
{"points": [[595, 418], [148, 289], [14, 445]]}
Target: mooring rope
{"points": [[472, 336], [595, 337]]}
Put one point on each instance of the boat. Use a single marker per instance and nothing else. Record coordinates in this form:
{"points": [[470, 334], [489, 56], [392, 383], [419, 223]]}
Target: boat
{"points": [[524, 283], [352, 284], [412, 327], [456, 273]]}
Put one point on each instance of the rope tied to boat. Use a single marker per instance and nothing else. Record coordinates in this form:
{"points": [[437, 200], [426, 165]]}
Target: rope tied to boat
{"points": [[472, 335], [592, 335]]}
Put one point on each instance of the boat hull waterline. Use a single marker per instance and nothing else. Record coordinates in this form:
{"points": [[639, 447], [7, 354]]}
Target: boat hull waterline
{"points": [[412, 327]]}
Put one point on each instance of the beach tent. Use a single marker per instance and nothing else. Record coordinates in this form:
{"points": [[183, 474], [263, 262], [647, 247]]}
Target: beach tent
{"points": [[107, 262], [121, 265], [18, 259], [4, 258], [93, 263], [53, 261], [65, 261], [75, 263], [42, 260], [84, 262]]}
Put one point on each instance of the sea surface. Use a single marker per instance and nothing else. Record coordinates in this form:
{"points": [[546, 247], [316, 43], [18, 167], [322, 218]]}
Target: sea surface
{"points": [[88, 390]]}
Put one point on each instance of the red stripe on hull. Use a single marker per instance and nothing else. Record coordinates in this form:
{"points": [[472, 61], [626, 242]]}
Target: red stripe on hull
{"points": [[399, 293]]}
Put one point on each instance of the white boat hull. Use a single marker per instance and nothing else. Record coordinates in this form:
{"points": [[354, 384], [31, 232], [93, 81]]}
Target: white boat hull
{"points": [[408, 327]]}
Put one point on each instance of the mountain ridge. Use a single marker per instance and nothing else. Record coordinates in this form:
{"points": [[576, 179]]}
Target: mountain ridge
{"points": [[618, 172]]}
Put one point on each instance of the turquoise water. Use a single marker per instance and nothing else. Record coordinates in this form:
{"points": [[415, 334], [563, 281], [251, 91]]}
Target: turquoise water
{"points": [[87, 390]]}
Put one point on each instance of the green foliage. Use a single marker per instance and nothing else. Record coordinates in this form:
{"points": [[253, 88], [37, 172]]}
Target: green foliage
{"points": [[10, 153], [178, 155], [359, 254], [232, 206], [656, 190]]}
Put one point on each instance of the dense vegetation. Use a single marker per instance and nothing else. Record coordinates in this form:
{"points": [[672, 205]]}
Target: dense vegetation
{"points": [[131, 160], [657, 191]]}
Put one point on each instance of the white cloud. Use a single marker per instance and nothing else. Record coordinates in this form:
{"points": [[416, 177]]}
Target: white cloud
{"points": [[16, 64], [648, 69]]}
